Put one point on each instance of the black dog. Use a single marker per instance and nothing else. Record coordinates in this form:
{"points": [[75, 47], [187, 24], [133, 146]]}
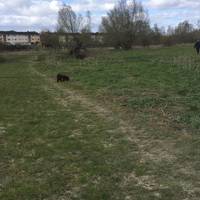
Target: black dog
{"points": [[62, 77]]}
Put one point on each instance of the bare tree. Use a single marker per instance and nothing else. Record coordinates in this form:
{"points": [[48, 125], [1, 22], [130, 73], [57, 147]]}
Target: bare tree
{"points": [[183, 32], [184, 28], [88, 22], [69, 21], [170, 30], [123, 22], [77, 25], [49, 40], [157, 34], [198, 24]]}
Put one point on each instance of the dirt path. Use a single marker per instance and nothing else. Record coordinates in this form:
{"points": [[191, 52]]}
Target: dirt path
{"points": [[162, 152]]}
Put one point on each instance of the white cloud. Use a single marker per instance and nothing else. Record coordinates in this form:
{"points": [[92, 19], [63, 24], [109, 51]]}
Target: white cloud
{"points": [[173, 4], [28, 14], [40, 14], [171, 12], [92, 5]]}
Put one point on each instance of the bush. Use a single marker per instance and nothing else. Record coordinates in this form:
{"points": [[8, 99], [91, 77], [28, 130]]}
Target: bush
{"points": [[169, 41], [5, 47]]}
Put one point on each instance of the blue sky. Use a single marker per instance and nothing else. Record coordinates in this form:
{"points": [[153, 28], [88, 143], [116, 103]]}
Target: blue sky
{"points": [[22, 15]]}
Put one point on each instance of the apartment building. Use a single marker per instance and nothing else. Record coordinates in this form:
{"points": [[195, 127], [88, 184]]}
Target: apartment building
{"points": [[67, 37], [19, 38], [35, 38]]}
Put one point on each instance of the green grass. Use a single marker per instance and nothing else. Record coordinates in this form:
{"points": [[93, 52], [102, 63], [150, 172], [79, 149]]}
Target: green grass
{"points": [[142, 79], [52, 146]]}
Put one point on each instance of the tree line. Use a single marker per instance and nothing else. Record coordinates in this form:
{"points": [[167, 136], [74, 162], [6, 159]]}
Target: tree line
{"points": [[124, 26]]}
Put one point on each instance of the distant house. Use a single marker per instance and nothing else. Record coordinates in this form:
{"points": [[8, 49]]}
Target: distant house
{"points": [[67, 37], [19, 38], [98, 37]]}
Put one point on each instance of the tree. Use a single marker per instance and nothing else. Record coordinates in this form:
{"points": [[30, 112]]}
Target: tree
{"points": [[123, 22], [85, 36], [184, 28], [183, 32], [49, 40], [69, 21], [88, 24], [157, 34], [170, 30], [79, 26], [143, 33], [198, 24]]}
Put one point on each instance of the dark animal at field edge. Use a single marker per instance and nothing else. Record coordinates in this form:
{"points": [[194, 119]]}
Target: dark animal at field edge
{"points": [[62, 78], [197, 46]]}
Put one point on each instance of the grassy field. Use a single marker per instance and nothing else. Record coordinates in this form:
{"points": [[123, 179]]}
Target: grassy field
{"points": [[127, 125]]}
